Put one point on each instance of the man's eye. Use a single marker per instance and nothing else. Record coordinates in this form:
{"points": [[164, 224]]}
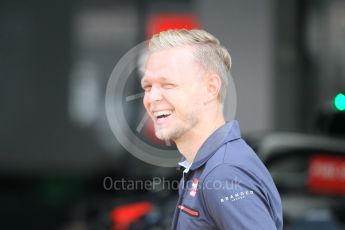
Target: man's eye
{"points": [[168, 86], [147, 88]]}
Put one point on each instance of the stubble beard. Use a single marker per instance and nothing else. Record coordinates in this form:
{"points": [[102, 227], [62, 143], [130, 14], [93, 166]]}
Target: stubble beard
{"points": [[177, 130]]}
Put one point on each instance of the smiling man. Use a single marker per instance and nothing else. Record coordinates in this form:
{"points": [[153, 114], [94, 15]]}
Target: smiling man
{"points": [[224, 183]]}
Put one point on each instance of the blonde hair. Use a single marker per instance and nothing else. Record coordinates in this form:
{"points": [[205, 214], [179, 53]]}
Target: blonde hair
{"points": [[212, 56]]}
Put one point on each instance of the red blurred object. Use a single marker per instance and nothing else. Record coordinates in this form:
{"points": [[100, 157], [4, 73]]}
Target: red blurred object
{"points": [[124, 215], [165, 21], [150, 133], [327, 174]]}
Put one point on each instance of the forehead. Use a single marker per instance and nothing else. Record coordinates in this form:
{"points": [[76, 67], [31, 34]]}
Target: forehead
{"points": [[172, 62]]}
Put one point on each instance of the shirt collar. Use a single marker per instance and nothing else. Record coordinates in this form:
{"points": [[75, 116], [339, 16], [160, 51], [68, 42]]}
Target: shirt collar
{"points": [[228, 132], [186, 165]]}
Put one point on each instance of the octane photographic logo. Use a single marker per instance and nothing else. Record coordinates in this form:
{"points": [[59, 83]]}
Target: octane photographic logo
{"points": [[128, 119]]}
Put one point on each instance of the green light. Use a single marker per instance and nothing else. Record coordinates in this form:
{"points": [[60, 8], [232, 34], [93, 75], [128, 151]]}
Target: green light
{"points": [[339, 102]]}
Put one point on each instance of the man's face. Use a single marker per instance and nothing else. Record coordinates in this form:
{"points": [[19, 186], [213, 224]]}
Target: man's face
{"points": [[173, 92]]}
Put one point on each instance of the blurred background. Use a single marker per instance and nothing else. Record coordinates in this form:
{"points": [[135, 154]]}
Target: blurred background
{"points": [[59, 158]]}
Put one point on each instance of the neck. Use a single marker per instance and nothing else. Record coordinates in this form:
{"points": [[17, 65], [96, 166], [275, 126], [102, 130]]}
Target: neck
{"points": [[189, 144]]}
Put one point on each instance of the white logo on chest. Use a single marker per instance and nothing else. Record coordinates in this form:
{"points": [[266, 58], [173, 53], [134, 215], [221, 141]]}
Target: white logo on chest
{"points": [[237, 196]]}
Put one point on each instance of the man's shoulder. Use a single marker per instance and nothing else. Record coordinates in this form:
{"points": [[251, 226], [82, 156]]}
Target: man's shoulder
{"points": [[233, 155], [236, 160], [235, 177]]}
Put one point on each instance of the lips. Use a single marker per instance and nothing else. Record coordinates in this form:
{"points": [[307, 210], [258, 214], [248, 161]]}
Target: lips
{"points": [[162, 115]]}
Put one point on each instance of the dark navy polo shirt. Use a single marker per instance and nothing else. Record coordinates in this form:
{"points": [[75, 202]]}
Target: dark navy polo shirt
{"points": [[227, 187]]}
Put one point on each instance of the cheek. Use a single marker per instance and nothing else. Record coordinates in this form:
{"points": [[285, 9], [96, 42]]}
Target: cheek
{"points": [[146, 102], [178, 100], [199, 94], [173, 98], [193, 101]]}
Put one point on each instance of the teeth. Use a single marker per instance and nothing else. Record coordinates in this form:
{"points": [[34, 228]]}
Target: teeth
{"points": [[162, 113]]}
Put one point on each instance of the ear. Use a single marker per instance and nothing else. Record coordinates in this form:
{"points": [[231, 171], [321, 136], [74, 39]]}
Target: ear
{"points": [[213, 84]]}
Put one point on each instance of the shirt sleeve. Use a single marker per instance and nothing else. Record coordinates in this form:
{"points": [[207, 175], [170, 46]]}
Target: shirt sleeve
{"points": [[235, 199]]}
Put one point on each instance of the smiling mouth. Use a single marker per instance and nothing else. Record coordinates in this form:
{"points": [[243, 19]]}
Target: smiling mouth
{"points": [[162, 114]]}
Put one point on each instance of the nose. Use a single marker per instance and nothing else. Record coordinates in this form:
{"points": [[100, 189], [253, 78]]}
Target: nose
{"points": [[154, 94]]}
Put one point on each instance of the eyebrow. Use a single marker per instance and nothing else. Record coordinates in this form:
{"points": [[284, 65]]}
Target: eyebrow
{"points": [[163, 79]]}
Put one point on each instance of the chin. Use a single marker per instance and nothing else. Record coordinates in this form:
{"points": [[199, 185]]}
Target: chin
{"points": [[162, 135], [168, 134]]}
